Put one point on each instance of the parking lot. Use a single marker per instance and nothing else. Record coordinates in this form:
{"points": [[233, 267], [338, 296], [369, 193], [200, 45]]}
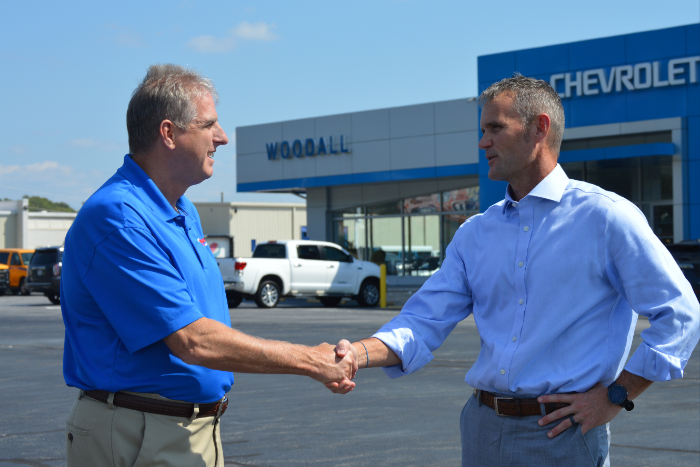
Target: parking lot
{"points": [[276, 420]]}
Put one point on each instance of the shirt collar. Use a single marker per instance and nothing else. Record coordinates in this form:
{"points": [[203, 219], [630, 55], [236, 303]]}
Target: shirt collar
{"points": [[153, 197], [551, 188]]}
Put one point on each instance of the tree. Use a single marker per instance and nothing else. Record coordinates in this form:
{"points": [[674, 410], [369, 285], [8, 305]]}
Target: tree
{"points": [[37, 203]]}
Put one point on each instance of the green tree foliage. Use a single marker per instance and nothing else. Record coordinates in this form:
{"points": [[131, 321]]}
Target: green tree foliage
{"points": [[37, 203]]}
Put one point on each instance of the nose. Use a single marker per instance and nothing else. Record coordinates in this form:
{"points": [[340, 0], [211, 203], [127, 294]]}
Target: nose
{"points": [[220, 137], [484, 142]]}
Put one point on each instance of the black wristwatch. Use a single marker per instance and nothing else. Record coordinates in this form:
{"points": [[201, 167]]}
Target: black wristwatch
{"points": [[618, 395]]}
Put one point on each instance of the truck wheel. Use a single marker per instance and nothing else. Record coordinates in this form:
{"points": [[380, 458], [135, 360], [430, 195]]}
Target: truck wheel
{"points": [[2, 292], [233, 298], [54, 298], [369, 293], [23, 288], [268, 294], [330, 301]]}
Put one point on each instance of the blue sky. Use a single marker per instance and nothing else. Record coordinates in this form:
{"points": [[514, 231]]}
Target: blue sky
{"points": [[69, 67]]}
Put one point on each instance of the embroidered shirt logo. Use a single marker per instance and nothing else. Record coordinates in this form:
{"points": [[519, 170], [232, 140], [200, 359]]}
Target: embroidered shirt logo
{"points": [[202, 241]]}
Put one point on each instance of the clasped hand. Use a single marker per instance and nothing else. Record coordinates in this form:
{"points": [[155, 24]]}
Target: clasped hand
{"points": [[340, 367]]}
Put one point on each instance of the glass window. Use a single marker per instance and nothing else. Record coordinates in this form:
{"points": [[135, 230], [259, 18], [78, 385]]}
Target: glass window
{"points": [[620, 176], [350, 212], [464, 199], [270, 250], [350, 234], [657, 178], [308, 252], [663, 222], [385, 243], [15, 260], [334, 254], [44, 257], [422, 204], [4, 258], [26, 257], [391, 207], [575, 170], [450, 224], [422, 249]]}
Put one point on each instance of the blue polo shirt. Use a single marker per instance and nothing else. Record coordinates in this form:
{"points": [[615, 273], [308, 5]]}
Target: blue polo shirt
{"points": [[134, 271]]}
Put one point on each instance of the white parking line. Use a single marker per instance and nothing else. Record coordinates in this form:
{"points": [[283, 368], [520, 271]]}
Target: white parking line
{"points": [[53, 307]]}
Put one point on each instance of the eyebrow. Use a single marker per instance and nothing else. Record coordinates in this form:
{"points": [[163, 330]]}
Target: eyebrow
{"points": [[491, 124], [208, 122]]}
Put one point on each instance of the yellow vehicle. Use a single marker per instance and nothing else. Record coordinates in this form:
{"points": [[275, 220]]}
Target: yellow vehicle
{"points": [[17, 261]]}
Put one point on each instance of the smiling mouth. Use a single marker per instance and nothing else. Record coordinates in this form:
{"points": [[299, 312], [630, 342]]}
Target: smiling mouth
{"points": [[210, 154], [490, 157]]}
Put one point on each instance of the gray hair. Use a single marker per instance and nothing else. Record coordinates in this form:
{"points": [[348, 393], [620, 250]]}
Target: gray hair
{"points": [[168, 92], [531, 97]]}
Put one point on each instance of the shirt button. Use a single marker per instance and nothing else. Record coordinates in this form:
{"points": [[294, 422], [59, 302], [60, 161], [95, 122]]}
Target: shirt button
{"points": [[520, 301], [520, 264], [514, 204], [515, 338], [526, 228], [503, 372]]}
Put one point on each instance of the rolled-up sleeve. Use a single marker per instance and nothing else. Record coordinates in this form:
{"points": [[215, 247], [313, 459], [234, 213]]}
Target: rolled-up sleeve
{"points": [[646, 275], [429, 316]]}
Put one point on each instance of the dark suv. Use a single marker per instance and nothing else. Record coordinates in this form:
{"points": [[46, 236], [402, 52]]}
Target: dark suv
{"points": [[4, 280], [44, 273], [687, 255]]}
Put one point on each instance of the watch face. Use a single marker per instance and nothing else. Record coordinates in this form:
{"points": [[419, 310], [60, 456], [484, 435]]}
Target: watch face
{"points": [[617, 394]]}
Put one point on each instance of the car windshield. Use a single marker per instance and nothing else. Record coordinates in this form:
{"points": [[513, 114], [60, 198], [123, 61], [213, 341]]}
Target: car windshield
{"points": [[26, 257], [45, 257], [4, 257]]}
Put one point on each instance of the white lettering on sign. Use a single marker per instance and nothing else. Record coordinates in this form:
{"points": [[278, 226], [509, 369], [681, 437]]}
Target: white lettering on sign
{"points": [[645, 75]]}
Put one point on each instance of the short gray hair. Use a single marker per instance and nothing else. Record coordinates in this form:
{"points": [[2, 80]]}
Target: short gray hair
{"points": [[168, 92], [531, 98]]}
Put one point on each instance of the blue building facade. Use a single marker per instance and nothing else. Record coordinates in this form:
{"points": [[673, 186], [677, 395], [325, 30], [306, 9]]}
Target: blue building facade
{"points": [[640, 93], [398, 182]]}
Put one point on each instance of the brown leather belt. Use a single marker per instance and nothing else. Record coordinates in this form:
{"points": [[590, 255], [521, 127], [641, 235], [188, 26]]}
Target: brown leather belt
{"points": [[157, 406], [515, 407]]}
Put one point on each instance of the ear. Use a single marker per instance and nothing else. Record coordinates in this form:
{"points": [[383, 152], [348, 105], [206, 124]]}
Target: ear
{"points": [[542, 127], [167, 133]]}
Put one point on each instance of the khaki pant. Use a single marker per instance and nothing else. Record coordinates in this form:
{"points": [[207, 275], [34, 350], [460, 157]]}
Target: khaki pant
{"points": [[97, 436]]}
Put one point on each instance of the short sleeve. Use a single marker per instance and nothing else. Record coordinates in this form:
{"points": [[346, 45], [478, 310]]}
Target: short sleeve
{"points": [[138, 289]]}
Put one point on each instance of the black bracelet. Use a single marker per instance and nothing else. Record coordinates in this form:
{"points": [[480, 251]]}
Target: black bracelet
{"points": [[366, 353]]}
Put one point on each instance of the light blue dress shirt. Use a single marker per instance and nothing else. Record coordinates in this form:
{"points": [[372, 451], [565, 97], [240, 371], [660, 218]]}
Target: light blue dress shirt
{"points": [[554, 282]]}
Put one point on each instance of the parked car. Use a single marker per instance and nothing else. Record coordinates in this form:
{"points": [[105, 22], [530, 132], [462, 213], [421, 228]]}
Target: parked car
{"points": [[687, 255], [45, 273], [4, 279], [299, 268], [16, 260]]}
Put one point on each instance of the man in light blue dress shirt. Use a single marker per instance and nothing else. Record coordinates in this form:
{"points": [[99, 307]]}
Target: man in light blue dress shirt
{"points": [[555, 275]]}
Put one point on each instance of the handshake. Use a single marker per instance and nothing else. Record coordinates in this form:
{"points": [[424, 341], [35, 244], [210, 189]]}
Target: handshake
{"points": [[338, 365]]}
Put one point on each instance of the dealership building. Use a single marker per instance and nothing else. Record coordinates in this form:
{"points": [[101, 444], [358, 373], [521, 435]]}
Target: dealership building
{"points": [[398, 182]]}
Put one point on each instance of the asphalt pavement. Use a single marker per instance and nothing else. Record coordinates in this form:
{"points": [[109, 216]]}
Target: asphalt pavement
{"points": [[276, 420]]}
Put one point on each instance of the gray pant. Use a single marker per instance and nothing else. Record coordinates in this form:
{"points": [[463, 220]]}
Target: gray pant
{"points": [[492, 441]]}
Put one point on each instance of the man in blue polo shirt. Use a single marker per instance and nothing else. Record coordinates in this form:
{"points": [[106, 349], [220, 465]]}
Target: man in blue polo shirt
{"points": [[148, 339]]}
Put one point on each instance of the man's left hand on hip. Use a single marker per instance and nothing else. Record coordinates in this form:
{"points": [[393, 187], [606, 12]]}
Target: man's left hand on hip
{"points": [[589, 409]]}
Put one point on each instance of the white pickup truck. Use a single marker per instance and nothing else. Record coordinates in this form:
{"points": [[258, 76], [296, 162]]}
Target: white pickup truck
{"points": [[299, 268]]}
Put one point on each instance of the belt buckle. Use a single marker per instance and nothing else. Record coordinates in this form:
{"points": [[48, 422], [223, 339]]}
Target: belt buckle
{"points": [[495, 405]]}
